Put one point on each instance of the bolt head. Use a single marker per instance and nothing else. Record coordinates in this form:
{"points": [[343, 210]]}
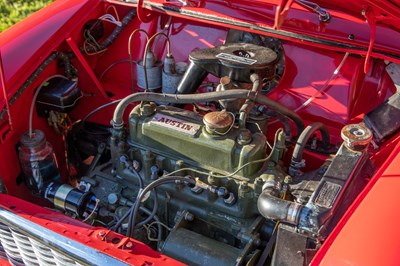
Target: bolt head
{"points": [[148, 109], [189, 217], [244, 137]]}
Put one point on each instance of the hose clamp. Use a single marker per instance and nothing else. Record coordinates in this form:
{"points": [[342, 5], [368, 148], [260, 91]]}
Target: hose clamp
{"points": [[293, 213], [117, 126]]}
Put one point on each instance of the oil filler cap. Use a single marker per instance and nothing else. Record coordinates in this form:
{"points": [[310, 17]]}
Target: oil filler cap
{"points": [[218, 123], [356, 136]]}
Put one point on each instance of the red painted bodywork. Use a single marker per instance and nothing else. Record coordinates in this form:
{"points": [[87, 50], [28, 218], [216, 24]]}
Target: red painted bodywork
{"points": [[368, 233]]}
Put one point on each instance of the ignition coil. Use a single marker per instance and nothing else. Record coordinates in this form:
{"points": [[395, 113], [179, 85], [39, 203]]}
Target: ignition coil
{"points": [[67, 198]]}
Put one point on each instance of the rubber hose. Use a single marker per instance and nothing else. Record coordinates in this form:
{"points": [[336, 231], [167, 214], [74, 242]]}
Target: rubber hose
{"points": [[305, 136], [249, 104], [262, 99], [282, 119], [275, 208]]}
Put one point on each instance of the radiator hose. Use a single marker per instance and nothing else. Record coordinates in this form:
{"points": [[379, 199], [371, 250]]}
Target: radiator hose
{"points": [[272, 206], [297, 157]]}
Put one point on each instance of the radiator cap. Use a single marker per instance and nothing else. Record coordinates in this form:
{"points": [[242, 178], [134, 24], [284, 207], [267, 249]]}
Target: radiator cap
{"points": [[356, 136]]}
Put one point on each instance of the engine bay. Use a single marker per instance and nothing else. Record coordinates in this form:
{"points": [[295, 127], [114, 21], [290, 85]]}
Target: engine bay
{"points": [[214, 146]]}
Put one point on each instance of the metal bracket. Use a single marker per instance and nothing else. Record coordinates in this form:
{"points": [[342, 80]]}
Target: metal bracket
{"points": [[283, 8], [323, 14]]}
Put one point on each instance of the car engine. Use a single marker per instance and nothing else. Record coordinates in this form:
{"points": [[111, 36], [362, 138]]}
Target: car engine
{"points": [[205, 186]]}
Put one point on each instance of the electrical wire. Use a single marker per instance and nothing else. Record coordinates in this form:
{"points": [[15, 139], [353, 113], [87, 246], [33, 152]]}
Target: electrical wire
{"points": [[153, 211], [130, 53], [145, 53], [325, 86], [93, 211], [139, 177], [162, 224], [152, 214], [282, 119], [114, 64], [111, 19], [34, 100], [159, 225], [231, 175], [135, 208], [115, 11], [169, 179], [132, 213], [148, 229], [111, 38], [98, 109]]}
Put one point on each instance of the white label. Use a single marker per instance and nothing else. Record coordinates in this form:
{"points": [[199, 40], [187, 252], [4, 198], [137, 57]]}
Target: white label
{"points": [[175, 124], [327, 195], [237, 59]]}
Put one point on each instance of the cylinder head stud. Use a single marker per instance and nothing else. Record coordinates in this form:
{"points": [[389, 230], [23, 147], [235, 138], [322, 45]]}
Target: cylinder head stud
{"points": [[244, 137], [356, 137]]}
